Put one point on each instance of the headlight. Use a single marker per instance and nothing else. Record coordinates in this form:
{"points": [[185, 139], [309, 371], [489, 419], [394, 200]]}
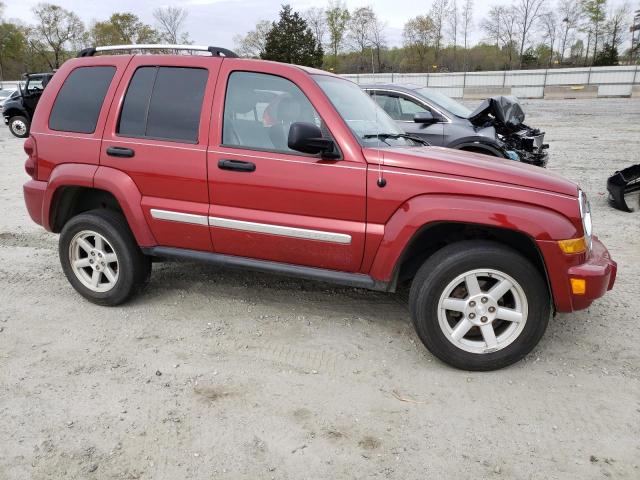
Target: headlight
{"points": [[585, 213]]}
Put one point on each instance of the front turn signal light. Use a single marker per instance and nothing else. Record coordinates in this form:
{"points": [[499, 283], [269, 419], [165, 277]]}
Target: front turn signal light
{"points": [[573, 245], [578, 286]]}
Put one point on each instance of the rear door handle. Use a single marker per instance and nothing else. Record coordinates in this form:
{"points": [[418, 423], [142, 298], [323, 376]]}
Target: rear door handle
{"points": [[236, 165], [120, 152]]}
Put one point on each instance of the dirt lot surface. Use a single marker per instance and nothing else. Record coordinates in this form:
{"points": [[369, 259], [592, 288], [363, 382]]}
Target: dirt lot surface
{"points": [[235, 375]]}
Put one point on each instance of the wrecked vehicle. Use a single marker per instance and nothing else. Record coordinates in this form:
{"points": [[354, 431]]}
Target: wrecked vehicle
{"points": [[495, 128], [624, 189]]}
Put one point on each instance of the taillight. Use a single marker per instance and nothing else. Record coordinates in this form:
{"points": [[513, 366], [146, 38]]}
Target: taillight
{"points": [[31, 165]]}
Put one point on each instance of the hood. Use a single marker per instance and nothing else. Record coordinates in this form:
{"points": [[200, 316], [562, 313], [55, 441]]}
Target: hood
{"points": [[506, 110], [448, 161]]}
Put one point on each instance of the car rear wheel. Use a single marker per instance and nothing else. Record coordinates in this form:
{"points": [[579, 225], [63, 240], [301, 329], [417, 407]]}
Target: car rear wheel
{"points": [[101, 259], [479, 305], [19, 126]]}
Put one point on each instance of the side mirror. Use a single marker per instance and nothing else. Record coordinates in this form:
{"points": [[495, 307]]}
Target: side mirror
{"points": [[425, 117], [307, 138]]}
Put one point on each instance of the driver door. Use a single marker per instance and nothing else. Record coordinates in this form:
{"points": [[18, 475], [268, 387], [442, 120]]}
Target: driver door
{"points": [[267, 201], [402, 109]]}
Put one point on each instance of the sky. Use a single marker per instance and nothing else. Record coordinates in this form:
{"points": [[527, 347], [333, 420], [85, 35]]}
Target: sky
{"points": [[216, 22]]}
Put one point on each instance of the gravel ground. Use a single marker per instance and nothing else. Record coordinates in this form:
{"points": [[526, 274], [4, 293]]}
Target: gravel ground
{"points": [[235, 375]]}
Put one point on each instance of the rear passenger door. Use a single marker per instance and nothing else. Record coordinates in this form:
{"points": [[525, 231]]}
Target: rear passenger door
{"points": [[157, 133]]}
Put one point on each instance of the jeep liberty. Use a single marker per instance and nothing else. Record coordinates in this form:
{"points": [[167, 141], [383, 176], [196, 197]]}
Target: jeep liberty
{"points": [[296, 171]]}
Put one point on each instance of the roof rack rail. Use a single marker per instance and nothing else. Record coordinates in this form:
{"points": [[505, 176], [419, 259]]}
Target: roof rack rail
{"points": [[215, 51]]}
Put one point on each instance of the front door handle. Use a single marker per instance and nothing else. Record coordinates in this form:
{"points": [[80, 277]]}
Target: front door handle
{"points": [[120, 152], [236, 165]]}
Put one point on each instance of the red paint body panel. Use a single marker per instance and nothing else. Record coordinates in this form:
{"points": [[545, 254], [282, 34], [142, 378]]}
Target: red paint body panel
{"points": [[126, 192], [34, 192], [54, 147], [597, 268], [174, 234], [293, 190], [423, 186]]}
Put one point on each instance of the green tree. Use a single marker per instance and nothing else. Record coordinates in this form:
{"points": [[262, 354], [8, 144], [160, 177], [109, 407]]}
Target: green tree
{"points": [[123, 28], [337, 20], [55, 32], [13, 43], [291, 40], [595, 12]]}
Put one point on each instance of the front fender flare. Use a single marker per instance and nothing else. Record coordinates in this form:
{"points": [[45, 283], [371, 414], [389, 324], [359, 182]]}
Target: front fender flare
{"points": [[536, 222]]}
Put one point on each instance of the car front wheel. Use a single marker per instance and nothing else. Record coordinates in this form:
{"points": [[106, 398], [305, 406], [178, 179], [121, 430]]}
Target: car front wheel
{"points": [[479, 305], [101, 259]]}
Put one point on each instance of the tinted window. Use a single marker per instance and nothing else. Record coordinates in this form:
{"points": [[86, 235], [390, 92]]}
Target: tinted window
{"points": [[164, 103], [80, 99], [260, 108], [398, 108]]}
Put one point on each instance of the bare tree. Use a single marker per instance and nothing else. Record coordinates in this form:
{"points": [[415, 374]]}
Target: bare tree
{"points": [[453, 18], [252, 44], [170, 23], [570, 15], [316, 18], [359, 29], [337, 20], [377, 38], [438, 14], [618, 25], [528, 14], [492, 24], [467, 25], [56, 30], [550, 27]]}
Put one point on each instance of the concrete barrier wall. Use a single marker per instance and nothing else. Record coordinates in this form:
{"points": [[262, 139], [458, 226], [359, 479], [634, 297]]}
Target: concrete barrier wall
{"points": [[545, 83]]}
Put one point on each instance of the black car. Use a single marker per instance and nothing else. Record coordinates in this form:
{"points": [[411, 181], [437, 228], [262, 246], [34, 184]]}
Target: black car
{"points": [[18, 109], [494, 128]]}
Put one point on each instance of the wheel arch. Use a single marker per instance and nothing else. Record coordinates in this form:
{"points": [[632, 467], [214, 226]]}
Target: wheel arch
{"points": [[479, 147], [432, 237], [75, 188]]}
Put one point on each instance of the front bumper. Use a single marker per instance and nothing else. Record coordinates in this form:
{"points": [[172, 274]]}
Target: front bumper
{"points": [[597, 269]]}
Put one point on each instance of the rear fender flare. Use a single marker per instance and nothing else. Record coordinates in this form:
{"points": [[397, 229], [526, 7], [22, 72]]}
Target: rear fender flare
{"points": [[65, 175], [536, 222], [122, 186]]}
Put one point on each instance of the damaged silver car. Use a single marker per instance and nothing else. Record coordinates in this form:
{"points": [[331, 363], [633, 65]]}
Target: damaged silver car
{"points": [[496, 127]]}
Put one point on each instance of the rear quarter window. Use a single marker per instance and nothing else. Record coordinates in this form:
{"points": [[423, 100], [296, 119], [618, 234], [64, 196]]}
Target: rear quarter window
{"points": [[79, 101]]}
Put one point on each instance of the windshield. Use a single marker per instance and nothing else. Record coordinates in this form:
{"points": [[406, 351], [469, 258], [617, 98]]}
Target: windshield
{"points": [[445, 102], [369, 123]]}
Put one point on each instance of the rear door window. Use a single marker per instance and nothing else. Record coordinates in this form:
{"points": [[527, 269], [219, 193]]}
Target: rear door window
{"points": [[78, 104], [164, 103]]}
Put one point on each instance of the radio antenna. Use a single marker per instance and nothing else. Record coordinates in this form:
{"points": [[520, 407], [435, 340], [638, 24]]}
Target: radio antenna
{"points": [[381, 182]]}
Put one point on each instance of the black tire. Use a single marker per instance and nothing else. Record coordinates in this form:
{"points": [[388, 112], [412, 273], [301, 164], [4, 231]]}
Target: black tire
{"points": [[447, 264], [19, 126], [134, 268]]}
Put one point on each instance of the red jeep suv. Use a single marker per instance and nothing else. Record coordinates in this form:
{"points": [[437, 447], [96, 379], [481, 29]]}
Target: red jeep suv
{"points": [[291, 170]]}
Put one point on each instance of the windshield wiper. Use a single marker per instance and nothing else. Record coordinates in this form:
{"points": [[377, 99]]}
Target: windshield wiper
{"points": [[385, 136]]}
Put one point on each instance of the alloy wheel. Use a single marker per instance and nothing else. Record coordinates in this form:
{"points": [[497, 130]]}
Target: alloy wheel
{"points": [[482, 311], [94, 261]]}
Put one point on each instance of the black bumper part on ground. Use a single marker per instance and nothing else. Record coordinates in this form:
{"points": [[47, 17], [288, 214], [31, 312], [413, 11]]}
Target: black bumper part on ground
{"points": [[624, 189]]}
